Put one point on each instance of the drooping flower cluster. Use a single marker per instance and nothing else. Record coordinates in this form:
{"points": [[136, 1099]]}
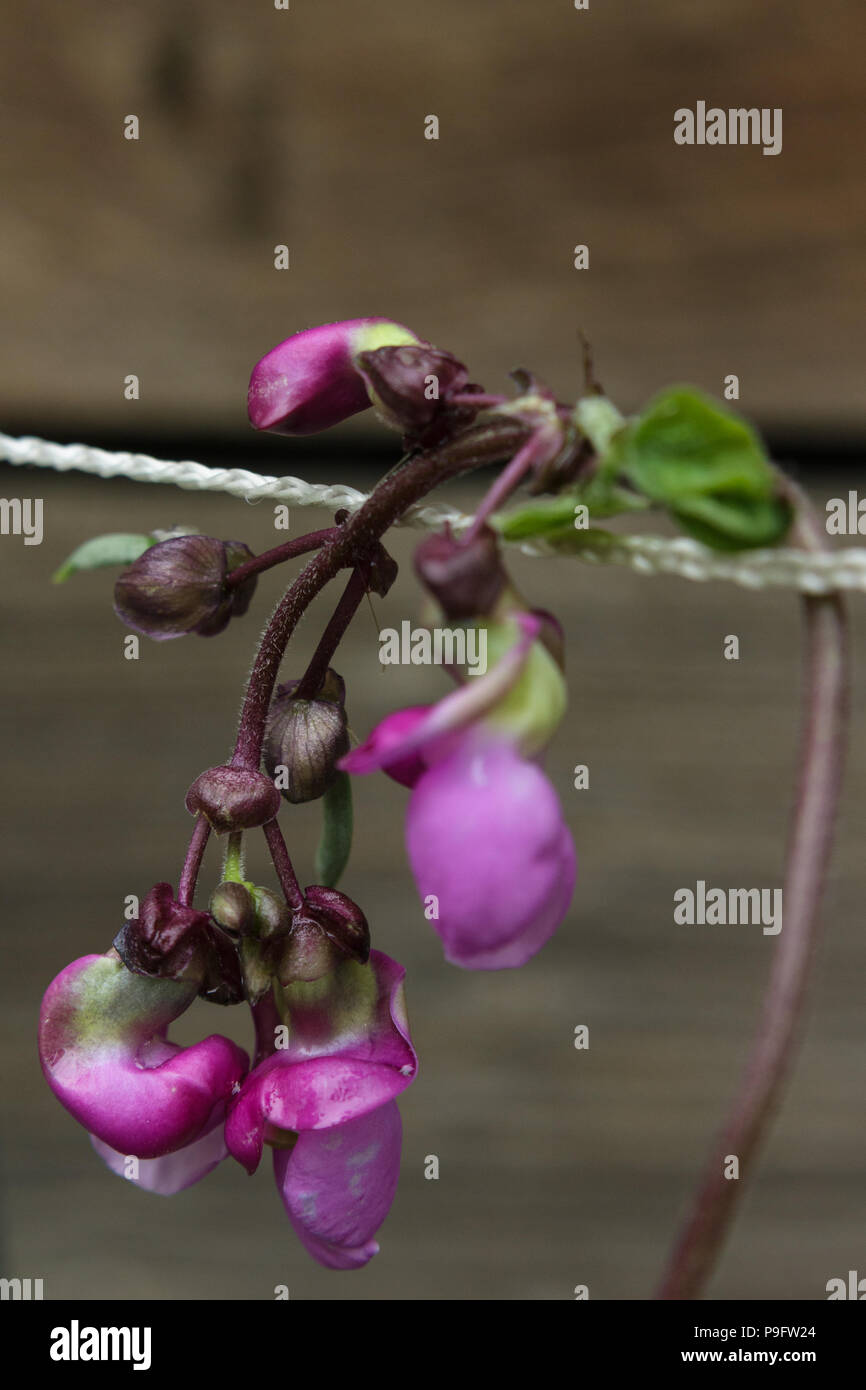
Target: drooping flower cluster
{"points": [[491, 855], [334, 1053]]}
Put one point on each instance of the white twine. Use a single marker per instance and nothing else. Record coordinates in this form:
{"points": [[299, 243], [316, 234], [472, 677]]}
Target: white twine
{"points": [[756, 569]]}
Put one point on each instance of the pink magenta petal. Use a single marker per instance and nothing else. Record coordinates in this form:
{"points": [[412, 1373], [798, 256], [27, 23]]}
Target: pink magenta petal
{"points": [[400, 740], [105, 1056], [384, 746], [349, 1053], [173, 1172], [310, 381], [486, 838], [337, 1186]]}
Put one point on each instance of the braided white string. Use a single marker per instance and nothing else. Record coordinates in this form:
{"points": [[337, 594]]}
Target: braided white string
{"points": [[756, 569]]}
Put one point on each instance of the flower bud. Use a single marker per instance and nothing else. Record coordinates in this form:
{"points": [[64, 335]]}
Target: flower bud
{"points": [[465, 577], [231, 906], [341, 920], [273, 918], [305, 738], [311, 381], [233, 798], [178, 586], [170, 941], [411, 387], [328, 928], [307, 955]]}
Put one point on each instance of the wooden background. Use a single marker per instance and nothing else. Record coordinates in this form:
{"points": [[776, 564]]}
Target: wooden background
{"points": [[305, 127], [156, 258], [557, 1167]]}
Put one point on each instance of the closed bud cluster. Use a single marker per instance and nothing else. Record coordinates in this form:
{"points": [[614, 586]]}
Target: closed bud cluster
{"points": [[178, 586], [170, 941], [305, 738]]}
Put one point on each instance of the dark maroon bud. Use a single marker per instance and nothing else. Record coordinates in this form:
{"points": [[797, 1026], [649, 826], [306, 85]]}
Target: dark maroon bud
{"points": [[170, 941], [411, 387], [328, 928], [341, 920], [233, 798], [465, 577], [304, 740], [308, 954], [232, 908], [178, 586], [238, 600]]}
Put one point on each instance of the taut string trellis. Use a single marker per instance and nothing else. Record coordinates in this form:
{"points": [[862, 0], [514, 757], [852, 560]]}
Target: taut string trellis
{"points": [[779, 567]]}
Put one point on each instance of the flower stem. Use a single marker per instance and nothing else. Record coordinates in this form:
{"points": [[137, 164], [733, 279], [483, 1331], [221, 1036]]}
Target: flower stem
{"points": [[354, 539], [502, 487], [353, 595], [233, 862], [283, 865], [301, 545], [192, 863], [809, 847]]}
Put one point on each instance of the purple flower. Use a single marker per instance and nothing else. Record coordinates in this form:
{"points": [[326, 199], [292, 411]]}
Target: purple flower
{"points": [[338, 1184], [325, 1102], [312, 380], [490, 851], [105, 1055]]}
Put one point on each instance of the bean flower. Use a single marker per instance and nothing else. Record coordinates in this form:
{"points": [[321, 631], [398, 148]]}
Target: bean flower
{"points": [[487, 842], [486, 838]]}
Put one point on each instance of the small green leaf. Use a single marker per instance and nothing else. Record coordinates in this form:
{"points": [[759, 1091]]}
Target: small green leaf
{"points": [[707, 466], [332, 855], [684, 445], [120, 548], [601, 496]]}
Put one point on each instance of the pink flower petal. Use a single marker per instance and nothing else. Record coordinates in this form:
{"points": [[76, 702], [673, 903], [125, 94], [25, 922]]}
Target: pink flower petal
{"points": [[105, 1056], [338, 1184]]}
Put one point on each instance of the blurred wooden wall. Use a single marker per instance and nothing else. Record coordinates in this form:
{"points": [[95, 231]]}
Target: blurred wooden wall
{"points": [[305, 127]]}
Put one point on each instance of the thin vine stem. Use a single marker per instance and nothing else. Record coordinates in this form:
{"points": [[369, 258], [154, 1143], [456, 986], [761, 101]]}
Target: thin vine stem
{"points": [[192, 863], [283, 865], [350, 600], [289, 550], [822, 749]]}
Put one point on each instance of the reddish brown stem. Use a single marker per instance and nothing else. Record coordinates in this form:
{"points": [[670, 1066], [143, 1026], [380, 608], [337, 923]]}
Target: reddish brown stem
{"points": [[809, 847]]}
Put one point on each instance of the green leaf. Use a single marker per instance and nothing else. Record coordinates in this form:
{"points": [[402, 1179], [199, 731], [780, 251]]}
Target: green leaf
{"points": [[734, 523], [684, 445], [707, 466], [335, 845], [120, 548], [601, 496]]}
